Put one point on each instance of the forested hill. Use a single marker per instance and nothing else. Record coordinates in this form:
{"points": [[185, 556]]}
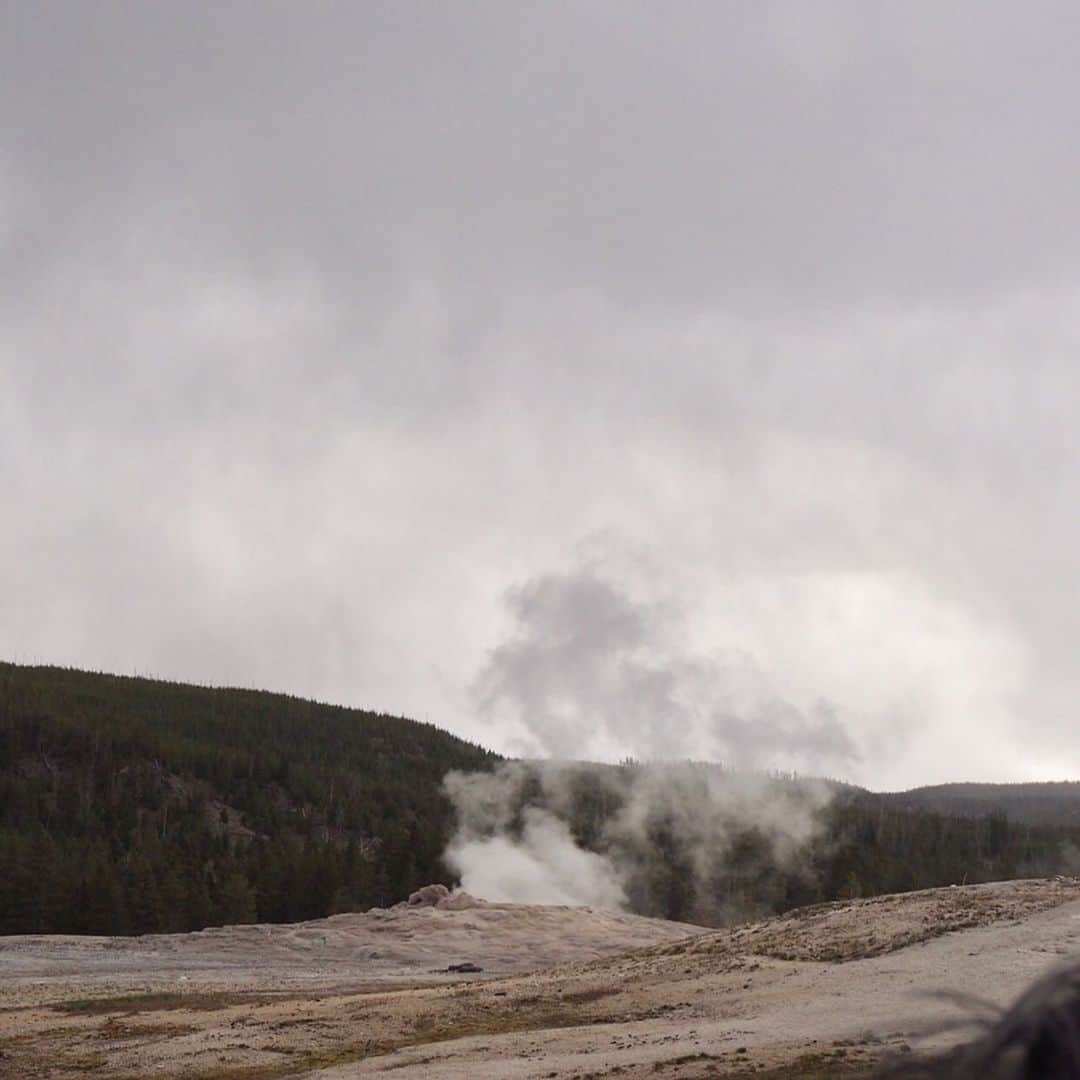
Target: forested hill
{"points": [[130, 805], [1056, 803]]}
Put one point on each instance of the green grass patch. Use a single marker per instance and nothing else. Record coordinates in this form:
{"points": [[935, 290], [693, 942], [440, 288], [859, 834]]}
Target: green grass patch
{"points": [[131, 1004]]}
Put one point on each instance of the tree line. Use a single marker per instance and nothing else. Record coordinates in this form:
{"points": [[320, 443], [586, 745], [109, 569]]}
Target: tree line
{"points": [[134, 806], [691, 857]]}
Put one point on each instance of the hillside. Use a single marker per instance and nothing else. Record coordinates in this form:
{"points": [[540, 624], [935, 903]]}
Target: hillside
{"points": [[135, 805], [1055, 803]]}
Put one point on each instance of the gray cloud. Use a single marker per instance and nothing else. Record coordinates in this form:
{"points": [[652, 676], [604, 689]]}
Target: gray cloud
{"points": [[698, 156], [320, 328]]}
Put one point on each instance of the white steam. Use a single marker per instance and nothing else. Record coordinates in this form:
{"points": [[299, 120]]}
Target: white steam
{"points": [[542, 866], [718, 836]]}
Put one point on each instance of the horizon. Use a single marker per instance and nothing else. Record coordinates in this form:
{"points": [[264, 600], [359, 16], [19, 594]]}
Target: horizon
{"points": [[628, 762]]}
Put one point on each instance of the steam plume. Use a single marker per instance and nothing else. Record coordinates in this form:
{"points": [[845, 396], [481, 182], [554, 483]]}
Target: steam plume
{"points": [[686, 841], [589, 670]]}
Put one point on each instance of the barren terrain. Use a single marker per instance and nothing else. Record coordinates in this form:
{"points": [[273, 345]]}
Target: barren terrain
{"points": [[823, 991]]}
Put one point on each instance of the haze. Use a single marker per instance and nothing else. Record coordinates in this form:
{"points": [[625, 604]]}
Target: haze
{"points": [[597, 379]]}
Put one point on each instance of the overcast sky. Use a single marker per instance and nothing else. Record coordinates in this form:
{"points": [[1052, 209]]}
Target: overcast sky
{"points": [[603, 379]]}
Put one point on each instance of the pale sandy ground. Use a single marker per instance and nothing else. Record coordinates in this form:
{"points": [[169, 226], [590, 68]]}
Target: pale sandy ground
{"points": [[820, 992]]}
